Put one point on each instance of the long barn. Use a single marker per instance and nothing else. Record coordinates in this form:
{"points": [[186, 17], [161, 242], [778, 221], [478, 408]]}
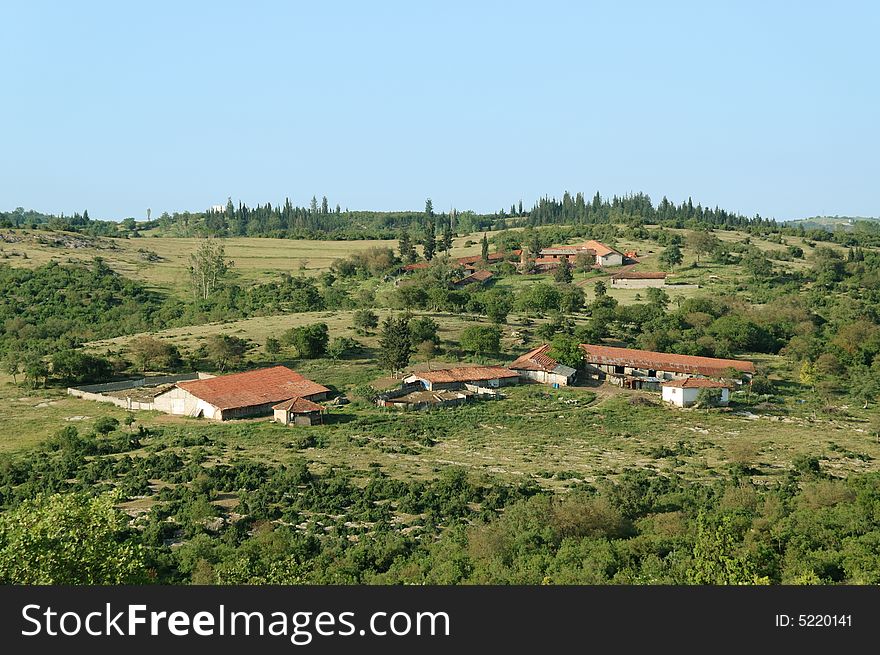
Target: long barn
{"points": [[239, 395]]}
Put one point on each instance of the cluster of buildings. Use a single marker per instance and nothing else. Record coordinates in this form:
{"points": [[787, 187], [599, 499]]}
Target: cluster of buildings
{"points": [[292, 399]]}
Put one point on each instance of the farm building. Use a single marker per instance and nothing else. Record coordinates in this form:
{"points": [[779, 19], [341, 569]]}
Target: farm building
{"points": [[464, 377], [414, 396], [605, 255], [477, 277], [298, 411], [639, 369], [683, 393], [638, 279], [238, 395], [537, 365]]}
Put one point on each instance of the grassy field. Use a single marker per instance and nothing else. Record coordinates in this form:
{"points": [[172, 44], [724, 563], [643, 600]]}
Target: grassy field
{"points": [[554, 437]]}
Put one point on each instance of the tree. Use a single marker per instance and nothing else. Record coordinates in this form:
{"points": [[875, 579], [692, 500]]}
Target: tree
{"points": [[702, 243], [149, 352], [756, 263], [395, 343], [563, 272], [445, 244], [715, 560], [225, 350], [71, 539], [339, 346], [365, 320], [484, 249], [12, 363], [708, 397], [481, 339], [497, 305], [584, 261], [600, 289], [429, 241], [130, 419], [671, 256], [208, 267], [571, 298], [310, 341], [539, 298], [657, 297], [406, 248], [273, 346], [105, 425], [566, 350], [423, 329], [77, 366], [35, 369]]}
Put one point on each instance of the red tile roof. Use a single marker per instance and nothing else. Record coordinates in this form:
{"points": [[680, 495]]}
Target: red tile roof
{"points": [[594, 247], [260, 387], [299, 406], [416, 267], [639, 275], [647, 359], [691, 383], [599, 248], [476, 276], [467, 374], [536, 360], [473, 259]]}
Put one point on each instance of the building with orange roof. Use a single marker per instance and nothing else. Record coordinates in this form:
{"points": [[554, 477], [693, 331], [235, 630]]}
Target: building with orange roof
{"points": [[463, 377], [238, 395], [605, 255], [537, 365], [645, 369], [298, 411]]}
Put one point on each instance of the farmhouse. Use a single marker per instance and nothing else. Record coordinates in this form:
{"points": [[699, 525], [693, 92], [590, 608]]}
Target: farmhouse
{"points": [[414, 396], [683, 393], [605, 255], [298, 411], [238, 395], [537, 365], [477, 277], [472, 378], [644, 369], [638, 279]]}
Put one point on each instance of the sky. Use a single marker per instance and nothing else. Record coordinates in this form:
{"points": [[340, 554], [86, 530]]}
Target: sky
{"points": [[757, 107]]}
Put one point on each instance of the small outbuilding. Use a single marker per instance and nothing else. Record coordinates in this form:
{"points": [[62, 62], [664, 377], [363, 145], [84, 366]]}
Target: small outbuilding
{"points": [[683, 393], [298, 411]]}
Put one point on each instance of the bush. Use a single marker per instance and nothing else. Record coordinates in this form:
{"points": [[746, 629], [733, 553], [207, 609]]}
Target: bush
{"points": [[481, 339]]}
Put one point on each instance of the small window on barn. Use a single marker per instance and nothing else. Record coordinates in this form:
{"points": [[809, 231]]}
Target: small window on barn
{"points": [[652, 373], [619, 369]]}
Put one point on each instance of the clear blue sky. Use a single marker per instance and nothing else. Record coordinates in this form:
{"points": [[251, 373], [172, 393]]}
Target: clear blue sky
{"points": [[769, 107]]}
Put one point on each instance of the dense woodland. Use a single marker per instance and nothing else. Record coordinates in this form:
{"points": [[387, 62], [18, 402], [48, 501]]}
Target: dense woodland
{"points": [[299, 524]]}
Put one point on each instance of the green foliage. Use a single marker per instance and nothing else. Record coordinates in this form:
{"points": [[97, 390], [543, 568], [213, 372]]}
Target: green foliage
{"points": [[151, 353], [77, 366], [715, 559], [365, 320], [310, 341], [395, 343], [69, 539], [671, 256], [481, 339], [708, 397], [423, 329], [566, 350], [106, 424], [225, 350]]}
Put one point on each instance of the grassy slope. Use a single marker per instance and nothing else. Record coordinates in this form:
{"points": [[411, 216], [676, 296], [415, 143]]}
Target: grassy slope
{"points": [[533, 433]]}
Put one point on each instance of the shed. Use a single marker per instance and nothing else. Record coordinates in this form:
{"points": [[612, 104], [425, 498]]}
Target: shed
{"points": [[683, 393], [298, 411]]}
